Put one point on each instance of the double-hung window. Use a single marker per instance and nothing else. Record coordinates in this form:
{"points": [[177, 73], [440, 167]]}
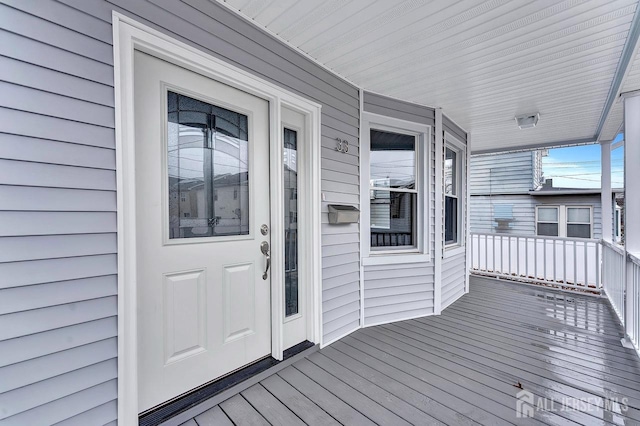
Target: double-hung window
{"points": [[394, 181], [454, 198], [564, 221], [393, 190], [548, 219], [579, 222]]}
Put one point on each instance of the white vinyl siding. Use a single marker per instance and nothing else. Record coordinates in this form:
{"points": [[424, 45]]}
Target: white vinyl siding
{"points": [[454, 272], [398, 291]]}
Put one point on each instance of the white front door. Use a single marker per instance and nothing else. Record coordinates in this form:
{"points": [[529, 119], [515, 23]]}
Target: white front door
{"points": [[202, 192]]}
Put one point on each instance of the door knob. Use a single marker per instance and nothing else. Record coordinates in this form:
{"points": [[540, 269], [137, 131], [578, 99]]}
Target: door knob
{"points": [[264, 248]]}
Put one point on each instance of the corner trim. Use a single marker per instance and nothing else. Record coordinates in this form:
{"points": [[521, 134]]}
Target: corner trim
{"points": [[438, 225]]}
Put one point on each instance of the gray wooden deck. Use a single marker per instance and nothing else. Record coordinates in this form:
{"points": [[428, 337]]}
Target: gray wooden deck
{"points": [[463, 367]]}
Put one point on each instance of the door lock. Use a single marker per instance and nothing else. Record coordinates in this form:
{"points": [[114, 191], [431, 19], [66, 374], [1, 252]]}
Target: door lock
{"points": [[264, 229]]}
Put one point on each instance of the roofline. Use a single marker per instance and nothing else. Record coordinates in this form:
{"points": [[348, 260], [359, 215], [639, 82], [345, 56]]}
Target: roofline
{"points": [[622, 70], [534, 147], [576, 191]]}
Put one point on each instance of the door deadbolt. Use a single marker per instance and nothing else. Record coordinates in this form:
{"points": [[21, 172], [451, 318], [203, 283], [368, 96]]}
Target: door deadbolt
{"points": [[264, 229]]}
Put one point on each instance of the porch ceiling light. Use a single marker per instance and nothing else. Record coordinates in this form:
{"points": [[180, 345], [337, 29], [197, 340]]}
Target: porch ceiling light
{"points": [[528, 121]]}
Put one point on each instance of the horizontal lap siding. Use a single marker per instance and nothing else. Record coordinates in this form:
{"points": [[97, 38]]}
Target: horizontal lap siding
{"points": [[454, 268], [58, 283], [510, 173], [396, 292], [522, 207]]}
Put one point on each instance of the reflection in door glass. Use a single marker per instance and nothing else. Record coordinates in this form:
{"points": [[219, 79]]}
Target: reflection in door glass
{"points": [[208, 169], [291, 221]]}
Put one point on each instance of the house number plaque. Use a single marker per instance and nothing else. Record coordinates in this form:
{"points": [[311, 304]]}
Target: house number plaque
{"points": [[342, 145]]}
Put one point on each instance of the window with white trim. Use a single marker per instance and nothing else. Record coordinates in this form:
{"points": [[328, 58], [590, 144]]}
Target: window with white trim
{"points": [[579, 222], [564, 221], [393, 190], [394, 182], [454, 197], [548, 219]]}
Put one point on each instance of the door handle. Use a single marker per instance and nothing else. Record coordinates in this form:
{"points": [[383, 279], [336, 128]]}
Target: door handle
{"points": [[264, 248]]}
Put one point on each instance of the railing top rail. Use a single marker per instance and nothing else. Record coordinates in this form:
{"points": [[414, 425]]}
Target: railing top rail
{"points": [[618, 249], [538, 237], [634, 259]]}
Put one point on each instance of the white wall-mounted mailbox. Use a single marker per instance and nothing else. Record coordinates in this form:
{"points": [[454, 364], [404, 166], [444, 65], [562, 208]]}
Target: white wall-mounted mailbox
{"points": [[343, 214]]}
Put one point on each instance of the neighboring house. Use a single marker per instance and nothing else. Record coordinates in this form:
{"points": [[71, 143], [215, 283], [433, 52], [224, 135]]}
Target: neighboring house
{"points": [[509, 196]]}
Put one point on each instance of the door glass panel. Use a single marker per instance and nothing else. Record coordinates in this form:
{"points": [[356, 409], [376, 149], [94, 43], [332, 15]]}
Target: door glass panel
{"points": [[208, 163], [291, 221]]}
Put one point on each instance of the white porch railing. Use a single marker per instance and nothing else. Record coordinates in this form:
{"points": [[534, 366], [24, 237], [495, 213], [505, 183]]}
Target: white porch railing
{"points": [[633, 315], [613, 265], [571, 263]]}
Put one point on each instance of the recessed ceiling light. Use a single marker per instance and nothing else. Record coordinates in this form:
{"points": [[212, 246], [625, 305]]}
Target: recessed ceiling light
{"points": [[528, 121]]}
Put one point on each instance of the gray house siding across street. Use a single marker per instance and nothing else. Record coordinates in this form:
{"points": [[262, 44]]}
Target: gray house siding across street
{"points": [[501, 197], [58, 233]]}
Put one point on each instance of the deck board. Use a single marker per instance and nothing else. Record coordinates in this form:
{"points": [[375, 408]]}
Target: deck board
{"points": [[463, 367]]}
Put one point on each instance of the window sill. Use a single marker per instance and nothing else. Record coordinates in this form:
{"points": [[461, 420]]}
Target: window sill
{"points": [[396, 259], [454, 250]]}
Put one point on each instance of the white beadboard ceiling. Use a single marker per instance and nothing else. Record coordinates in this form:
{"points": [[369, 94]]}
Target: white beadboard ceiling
{"points": [[482, 61]]}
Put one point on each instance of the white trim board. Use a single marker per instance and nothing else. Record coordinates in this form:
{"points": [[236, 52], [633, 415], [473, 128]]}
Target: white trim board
{"points": [[130, 35], [423, 157]]}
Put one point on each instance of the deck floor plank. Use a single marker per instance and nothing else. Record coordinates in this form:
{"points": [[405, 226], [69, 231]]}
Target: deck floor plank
{"points": [[242, 413], [270, 407], [299, 404], [463, 367]]}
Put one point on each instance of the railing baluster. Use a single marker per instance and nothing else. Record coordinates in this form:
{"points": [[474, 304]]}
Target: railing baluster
{"points": [[586, 265], [598, 265], [554, 261], [544, 257], [486, 252], [518, 256], [526, 256], [575, 263], [509, 248], [564, 261], [535, 258]]}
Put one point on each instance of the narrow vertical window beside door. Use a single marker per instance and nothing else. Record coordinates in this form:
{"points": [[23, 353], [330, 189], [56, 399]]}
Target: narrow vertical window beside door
{"points": [[207, 162], [291, 221]]}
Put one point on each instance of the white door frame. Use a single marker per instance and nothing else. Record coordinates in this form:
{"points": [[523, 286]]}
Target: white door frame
{"points": [[130, 35]]}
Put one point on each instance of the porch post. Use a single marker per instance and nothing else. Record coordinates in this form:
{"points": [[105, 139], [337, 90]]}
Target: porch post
{"points": [[632, 173], [607, 207], [631, 198]]}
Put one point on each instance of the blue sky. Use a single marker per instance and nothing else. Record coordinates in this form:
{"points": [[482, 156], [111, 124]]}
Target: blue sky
{"points": [[579, 166]]}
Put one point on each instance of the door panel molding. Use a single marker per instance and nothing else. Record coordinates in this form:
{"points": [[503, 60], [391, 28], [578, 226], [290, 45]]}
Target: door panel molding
{"points": [[128, 36]]}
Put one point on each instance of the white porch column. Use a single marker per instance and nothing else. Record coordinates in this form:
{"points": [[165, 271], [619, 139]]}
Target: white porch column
{"points": [[605, 179], [631, 196], [632, 173]]}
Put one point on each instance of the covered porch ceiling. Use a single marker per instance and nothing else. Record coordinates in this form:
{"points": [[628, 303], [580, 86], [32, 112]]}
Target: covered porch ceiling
{"points": [[483, 61]]}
